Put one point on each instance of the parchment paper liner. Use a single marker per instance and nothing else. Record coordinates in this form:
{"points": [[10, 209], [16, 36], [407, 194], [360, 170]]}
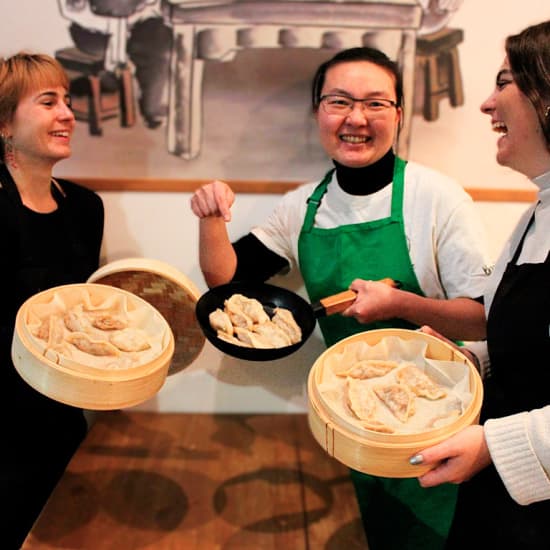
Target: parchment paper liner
{"points": [[140, 314]]}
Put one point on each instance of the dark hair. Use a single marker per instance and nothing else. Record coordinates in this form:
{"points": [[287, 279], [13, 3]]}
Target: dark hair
{"points": [[372, 55], [528, 53]]}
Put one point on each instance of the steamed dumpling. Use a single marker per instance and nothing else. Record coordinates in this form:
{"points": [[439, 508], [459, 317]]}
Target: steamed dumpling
{"points": [[130, 339]]}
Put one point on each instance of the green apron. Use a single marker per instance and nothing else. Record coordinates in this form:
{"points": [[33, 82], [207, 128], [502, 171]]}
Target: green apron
{"points": [[397, 513]]}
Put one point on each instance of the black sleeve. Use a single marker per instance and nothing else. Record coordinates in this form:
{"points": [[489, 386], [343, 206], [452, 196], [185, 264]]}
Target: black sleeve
{"points": [[256, 262]]}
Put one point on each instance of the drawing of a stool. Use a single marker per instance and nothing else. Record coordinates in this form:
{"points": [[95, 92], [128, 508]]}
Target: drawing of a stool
{"points": [[438, 65]]}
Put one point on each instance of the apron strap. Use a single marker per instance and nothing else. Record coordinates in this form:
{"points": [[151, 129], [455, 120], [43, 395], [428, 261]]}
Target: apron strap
{"points": [[314, 201], [398, 188]]}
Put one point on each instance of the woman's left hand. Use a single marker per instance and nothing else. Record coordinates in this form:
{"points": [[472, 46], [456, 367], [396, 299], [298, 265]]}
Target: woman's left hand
{"points": [[456, 459]]}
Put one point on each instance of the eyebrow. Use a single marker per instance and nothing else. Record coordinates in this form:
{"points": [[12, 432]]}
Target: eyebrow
{"points": [[503, 72], [52, 94], [339, 91]]}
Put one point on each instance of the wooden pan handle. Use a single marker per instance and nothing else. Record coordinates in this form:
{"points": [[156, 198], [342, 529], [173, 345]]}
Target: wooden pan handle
{"points": [[339, 302]]}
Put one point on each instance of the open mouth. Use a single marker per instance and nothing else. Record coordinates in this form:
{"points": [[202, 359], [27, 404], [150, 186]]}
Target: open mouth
{"points": [[354, 140], [500, 127]]}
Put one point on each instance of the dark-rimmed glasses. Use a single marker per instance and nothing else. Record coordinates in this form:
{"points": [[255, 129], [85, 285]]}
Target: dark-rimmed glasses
{"points": [[343, 105]]}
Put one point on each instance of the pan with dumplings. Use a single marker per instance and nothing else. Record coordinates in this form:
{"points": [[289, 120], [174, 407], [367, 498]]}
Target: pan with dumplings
{"points": [[263, 322], [378, 397]]}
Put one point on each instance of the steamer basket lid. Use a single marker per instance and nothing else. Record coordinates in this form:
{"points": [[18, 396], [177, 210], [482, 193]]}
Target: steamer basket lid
{"points": [[167, 289]]}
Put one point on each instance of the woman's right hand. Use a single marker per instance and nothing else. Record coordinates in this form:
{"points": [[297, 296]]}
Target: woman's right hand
{"points": [[429, 330], [213, 199]]}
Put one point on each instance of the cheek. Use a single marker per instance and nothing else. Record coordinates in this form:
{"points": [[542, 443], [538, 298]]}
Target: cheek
{"points": [[328, 126]]}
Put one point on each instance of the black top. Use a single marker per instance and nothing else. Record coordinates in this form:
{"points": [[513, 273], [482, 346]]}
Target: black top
{"points": [[40, 251]]}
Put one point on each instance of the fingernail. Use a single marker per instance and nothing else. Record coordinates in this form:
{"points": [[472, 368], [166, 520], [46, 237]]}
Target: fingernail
{"points": [[416, 459]]}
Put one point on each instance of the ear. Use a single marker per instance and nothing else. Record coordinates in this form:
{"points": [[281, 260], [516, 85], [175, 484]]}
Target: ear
{"points": [[399, 114]]}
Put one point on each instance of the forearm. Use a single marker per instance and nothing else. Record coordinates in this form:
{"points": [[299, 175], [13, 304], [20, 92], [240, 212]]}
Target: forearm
{"points": [[217, 258], [457, 318], [519, 446]]}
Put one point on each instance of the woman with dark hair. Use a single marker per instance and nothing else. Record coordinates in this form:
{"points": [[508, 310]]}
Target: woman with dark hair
{"points": [[372, 216], [503, 464], [51, 235]]}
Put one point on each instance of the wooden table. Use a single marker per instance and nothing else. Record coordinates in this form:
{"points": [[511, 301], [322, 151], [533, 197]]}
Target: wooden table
{"points": [[145, 480], [217, 29]]}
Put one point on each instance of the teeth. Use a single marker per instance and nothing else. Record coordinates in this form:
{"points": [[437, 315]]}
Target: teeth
{"points": [[60, 134], [355, 139], [499, 127]]}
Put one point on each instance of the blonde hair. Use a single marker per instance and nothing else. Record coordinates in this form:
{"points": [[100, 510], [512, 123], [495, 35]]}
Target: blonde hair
{"points": [[22, 73]]}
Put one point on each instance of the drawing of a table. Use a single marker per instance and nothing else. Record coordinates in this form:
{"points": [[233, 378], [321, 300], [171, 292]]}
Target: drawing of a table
{"points": [[217, 31]]}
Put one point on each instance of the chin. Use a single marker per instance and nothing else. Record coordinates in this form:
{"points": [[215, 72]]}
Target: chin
{"points": [[354, 161]]}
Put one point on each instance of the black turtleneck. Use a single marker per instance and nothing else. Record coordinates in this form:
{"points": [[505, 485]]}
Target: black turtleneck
{"points": [[367, 179]]}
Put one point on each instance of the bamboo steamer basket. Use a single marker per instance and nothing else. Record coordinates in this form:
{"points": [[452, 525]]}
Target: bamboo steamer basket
{"points": [[85, 386], [169, 291], [375, 453]]}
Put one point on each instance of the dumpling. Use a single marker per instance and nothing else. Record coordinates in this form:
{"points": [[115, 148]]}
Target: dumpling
{"points": [[285, 320], [130, 339], [369, 368], [220, 321], [361, 399], [84, 343], [237, 315], [273, 334], [419, 382], [51, 330], [398, 399], [238, 304], [376, 426], [105, 319], [254, 339], [229, 338], [76, 321]]}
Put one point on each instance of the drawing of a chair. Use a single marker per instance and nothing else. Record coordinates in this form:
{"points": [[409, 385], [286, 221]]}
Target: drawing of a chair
{"points": [[438, 66], [98, 94]]}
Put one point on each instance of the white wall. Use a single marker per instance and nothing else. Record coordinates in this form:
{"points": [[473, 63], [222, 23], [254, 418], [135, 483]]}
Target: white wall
{"points": [[159, 225]]}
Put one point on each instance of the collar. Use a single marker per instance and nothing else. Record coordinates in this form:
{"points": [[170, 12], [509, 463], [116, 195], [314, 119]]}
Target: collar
{"points": [[366, 179]]}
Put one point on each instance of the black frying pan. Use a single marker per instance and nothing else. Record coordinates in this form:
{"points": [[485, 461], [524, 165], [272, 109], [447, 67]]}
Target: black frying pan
{"points": [[270, 296]]}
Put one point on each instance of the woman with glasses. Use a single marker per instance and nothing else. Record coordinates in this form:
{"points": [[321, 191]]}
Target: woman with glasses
{"points": [[372, 216], [503, 464]]}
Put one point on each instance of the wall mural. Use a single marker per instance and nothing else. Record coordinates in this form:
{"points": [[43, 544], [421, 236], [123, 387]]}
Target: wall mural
{"points": [[144, 64]]}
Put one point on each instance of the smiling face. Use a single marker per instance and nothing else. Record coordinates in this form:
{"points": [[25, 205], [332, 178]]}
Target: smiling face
{"points": [[41, 126], [522, 145], [358, 139]]}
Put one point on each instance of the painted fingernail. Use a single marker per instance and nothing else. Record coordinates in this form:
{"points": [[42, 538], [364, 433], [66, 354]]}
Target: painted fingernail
{"points": [[416, 459]]}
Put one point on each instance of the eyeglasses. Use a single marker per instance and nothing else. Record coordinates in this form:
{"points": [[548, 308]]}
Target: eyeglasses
{"points": [[343, 105]]}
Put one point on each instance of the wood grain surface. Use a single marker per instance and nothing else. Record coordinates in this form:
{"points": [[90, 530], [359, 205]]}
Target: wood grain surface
{"points": [[145, 480]]}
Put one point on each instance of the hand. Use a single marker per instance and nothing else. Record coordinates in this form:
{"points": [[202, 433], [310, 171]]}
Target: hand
{"points": [[429, 330], [214, 199], [456, 459], [375, 301]]}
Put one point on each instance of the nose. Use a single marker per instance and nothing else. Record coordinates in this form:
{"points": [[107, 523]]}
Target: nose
{"points": [[358, 112], [488, 105], [65, 111]]}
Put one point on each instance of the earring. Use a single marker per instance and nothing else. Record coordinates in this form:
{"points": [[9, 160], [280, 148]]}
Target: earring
{"points": [[547, 111], [9, 151]]}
